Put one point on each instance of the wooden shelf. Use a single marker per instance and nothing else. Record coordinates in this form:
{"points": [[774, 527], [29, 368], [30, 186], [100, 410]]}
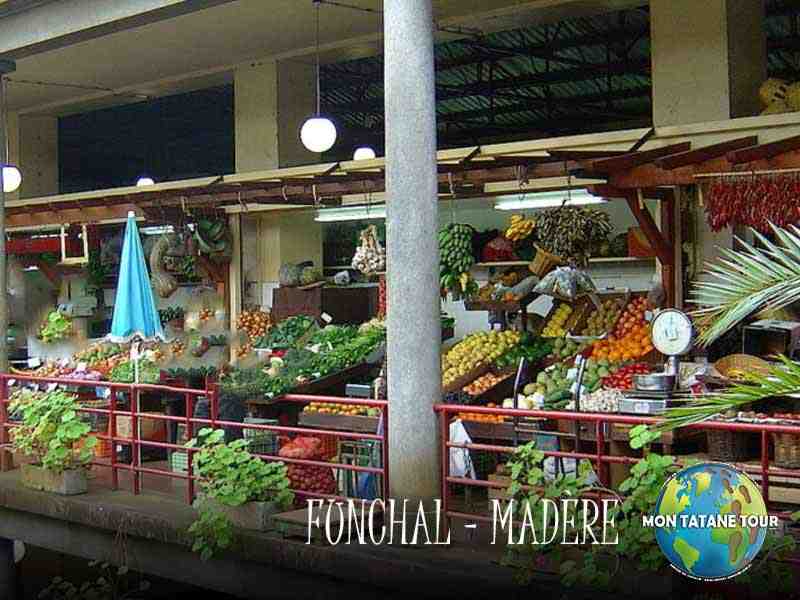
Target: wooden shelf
{"points": [[359, 423], [593, 260]]}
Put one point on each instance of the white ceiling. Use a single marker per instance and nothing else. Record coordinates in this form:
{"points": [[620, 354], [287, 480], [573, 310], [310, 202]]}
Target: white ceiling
{"points": [[199, 49]]}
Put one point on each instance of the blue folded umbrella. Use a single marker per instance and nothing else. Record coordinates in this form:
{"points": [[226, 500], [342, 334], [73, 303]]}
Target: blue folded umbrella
{"points": [[135, 314]]}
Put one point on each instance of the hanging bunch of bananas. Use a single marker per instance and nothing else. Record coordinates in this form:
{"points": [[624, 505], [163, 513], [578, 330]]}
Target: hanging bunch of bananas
{"points": [[520, 228], [455, 250]]}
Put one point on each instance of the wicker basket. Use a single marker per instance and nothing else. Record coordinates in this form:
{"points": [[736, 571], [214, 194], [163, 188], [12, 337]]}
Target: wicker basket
{"points": [[727, 446], [544, 262], [787, 450], [728, 365]]}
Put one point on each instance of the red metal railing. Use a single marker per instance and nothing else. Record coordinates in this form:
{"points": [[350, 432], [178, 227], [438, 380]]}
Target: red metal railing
{"points": [[601, 458], [193, 424]]}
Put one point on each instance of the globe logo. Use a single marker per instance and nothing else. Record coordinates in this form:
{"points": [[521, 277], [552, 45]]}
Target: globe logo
{"points": [[710, 521]]}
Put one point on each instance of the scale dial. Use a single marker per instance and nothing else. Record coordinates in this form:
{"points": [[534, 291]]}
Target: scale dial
{"points": [[672, 332]]}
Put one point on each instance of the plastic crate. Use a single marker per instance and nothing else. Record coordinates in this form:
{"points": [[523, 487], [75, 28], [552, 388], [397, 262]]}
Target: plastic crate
{"points": [[260, 441], [179, 462]]}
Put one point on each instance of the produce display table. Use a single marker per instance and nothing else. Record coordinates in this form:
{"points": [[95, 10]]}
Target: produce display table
{"points": [[333, 384]]}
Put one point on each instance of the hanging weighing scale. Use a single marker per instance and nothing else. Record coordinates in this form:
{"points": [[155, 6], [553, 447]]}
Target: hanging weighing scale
{"points": [[672, 334]]}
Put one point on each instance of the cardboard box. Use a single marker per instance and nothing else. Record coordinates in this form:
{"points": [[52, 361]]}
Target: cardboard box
{"points": [[154, 430]]}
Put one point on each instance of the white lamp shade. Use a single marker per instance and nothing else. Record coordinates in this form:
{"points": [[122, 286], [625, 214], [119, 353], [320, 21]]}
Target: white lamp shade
{"points": [[12, 178], [318, 134], [363, 153], [142, 181]]}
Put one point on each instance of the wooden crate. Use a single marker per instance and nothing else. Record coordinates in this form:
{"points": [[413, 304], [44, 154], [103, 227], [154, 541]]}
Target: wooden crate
{"points": [[360, 424], [469, 377]]}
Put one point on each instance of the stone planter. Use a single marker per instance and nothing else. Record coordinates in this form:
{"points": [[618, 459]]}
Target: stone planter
{"points": [[66, 483], [251, 515]]}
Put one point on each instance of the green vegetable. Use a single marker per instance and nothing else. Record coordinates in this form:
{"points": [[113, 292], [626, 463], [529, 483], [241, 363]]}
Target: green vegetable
{"points": [[149, 372], [231, 476], [56, 327], [286, 333]]}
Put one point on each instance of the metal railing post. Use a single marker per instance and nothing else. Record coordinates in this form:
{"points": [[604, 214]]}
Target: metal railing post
{"points": [[136, 448], [5, 455]]}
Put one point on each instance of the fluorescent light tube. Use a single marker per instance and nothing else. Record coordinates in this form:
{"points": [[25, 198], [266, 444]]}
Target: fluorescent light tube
{"points": [[351, 213], [547, 200]]}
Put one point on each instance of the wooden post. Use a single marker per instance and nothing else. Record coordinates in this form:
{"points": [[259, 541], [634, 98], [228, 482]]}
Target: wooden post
{"points": [[234, 294]]}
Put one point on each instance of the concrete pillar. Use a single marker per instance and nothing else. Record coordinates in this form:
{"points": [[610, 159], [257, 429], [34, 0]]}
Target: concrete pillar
{"points": [[38, 155], [709, 59], [414, 370], [272, 100], [4, 69]]}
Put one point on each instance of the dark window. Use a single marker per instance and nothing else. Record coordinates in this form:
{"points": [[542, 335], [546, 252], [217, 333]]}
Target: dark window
{"points": [[175, 137]]}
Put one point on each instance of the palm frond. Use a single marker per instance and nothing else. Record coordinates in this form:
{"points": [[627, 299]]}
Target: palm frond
{"points": [[783, 379], [742, 282]]}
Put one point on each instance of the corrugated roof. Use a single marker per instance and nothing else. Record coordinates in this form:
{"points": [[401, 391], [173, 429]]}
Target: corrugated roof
{"points": [[576, 76]]}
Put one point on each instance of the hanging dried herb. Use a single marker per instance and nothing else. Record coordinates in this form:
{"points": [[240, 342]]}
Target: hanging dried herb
{"points": [[571, 232]]}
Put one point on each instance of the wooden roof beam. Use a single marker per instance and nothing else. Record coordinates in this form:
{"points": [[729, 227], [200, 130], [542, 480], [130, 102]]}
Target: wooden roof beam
{"points": [[764, 151], [605, 190], [634, 159], [661, 246], [700, 155], [585, 154]]}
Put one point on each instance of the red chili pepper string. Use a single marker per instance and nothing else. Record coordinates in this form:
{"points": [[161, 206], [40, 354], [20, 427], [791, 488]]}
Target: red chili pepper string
{"points": [[755, 202]]}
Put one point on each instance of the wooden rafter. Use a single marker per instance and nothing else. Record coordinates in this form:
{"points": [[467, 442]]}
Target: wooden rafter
{"points": [[764, 151], [682, 167], [661, 245], [634, 159], [682, 159]]}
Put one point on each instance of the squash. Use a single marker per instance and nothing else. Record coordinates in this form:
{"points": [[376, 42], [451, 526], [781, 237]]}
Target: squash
{"points": [[163, 282]]}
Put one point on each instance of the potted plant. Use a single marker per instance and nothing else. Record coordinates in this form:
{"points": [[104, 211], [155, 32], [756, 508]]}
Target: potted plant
{"points": [[55, 439], [236, 489]]}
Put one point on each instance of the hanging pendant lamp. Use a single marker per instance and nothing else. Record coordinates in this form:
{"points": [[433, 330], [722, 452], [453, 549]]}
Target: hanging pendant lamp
{"points": [[318, 133]]}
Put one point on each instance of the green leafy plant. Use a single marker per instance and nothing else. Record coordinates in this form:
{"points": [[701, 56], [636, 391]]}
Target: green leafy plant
{"points": [[211, 532], [528, 488], [231, 476], [745, 281], [782, 379], [112, 583], [56, 327], [595, 565], [149, 372], [287, 333], [51, 432]]}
